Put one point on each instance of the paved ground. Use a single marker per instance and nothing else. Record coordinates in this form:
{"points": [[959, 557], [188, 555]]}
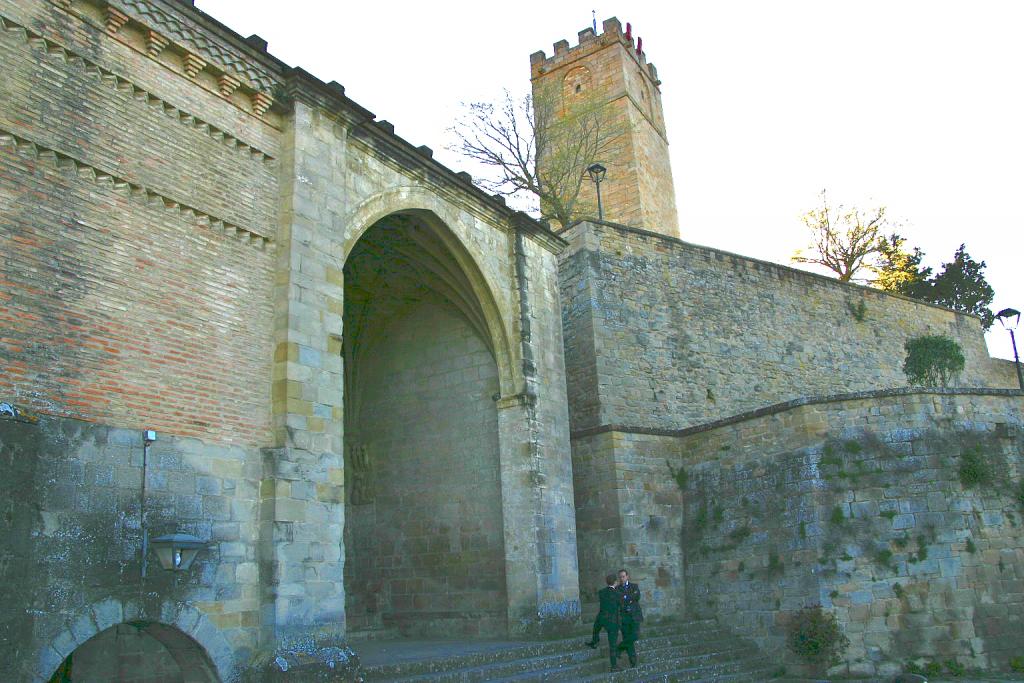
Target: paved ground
{"points": [[374, 652]]}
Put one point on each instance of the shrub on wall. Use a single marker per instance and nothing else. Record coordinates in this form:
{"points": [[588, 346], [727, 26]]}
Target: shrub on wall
{"points": [[932, 360], [814, 635]]}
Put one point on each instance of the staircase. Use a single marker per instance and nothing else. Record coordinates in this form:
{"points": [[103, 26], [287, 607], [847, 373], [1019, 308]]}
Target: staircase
{"points": [[671, 651]]}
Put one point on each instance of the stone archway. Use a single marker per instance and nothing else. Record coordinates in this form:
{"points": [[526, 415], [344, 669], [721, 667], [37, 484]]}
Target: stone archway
{"points": [[423, 532], [139, 651]]}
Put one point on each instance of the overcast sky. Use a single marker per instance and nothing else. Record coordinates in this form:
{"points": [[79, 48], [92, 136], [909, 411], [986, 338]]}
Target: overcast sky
{"points": [[914, 104]]}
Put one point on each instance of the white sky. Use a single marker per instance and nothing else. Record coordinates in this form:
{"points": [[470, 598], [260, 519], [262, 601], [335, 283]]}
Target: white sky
{"points": [[915, 104]]}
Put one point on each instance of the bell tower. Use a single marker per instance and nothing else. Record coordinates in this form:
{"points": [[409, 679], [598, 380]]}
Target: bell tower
{"points": [[611, 71]]}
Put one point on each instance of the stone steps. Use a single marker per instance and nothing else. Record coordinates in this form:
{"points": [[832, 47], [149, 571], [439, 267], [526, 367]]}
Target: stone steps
{"points": [[687, 651]]}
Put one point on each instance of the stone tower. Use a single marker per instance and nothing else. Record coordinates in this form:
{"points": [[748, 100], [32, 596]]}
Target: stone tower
{"points": [[611, 70]]}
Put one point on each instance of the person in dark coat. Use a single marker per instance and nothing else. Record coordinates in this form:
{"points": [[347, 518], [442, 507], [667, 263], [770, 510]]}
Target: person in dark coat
{"points": [[631, 615], [608, 619]]}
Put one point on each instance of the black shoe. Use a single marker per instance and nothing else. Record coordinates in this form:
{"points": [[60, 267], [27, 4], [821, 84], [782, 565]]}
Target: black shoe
{"points": [[592, 645]]}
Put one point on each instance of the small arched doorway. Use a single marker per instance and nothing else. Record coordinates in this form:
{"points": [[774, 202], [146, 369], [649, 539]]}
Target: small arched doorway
{"points": [[424, 538], [138, 651]]}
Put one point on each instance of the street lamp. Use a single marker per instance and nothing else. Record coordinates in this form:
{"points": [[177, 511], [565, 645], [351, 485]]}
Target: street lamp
{"points": [[597, 172], [1009, 318]]}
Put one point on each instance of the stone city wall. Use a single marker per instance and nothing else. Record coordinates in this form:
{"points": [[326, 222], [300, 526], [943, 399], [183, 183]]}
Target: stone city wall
{"points": [[857, 504], [70, 561], [665, 334]]}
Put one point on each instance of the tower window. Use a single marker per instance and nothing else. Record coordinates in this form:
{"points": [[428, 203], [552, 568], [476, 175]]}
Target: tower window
{"points": [[579, 88]]}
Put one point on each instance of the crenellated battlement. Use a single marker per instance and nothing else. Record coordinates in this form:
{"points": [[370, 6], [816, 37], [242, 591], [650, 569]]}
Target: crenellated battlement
{"points": [[590, 42], [609, 72]]}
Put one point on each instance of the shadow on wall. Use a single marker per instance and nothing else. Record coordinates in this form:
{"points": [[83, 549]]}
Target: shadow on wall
{"points": [[143, 652]]}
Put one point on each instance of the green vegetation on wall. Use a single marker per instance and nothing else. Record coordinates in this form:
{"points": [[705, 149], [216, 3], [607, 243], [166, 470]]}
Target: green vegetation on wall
{"points": [[814, 635], [932, 360]]}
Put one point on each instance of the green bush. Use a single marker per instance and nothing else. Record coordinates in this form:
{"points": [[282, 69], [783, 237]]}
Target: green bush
{"points": [[1017, 664], [815, 637], [955, 668], [1020, 493], [970, 547], [975, 468], [932, 360], [837, 516], [883, 558]]}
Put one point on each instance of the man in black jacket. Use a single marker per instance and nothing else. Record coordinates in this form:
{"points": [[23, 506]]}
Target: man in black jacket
{"points": [[631, 616], [608, 619]]}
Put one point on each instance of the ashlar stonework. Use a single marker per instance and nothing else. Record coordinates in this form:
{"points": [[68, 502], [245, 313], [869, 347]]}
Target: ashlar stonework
{"points": [[390, 406]]}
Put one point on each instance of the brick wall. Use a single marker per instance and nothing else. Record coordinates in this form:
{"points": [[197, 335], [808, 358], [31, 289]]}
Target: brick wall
{"points": [[135, 284]]}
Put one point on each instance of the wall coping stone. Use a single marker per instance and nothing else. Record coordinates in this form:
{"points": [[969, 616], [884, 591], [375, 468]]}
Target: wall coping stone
{"points": [[789, 270], [796, 403]]}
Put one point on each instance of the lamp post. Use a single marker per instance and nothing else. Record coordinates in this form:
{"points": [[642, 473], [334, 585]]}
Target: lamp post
{"points": [[1009, 318], [597, 172]]}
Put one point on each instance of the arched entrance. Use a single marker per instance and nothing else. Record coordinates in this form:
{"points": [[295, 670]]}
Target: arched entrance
{"points": [[423, 525], [138, 651]]}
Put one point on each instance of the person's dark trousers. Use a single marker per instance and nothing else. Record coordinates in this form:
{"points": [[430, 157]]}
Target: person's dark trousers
{"points": [[613, 640], [612, 632], [630, 634]]}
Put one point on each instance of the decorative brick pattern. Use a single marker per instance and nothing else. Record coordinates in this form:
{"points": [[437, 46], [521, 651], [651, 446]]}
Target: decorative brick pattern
{"points": [[155, 43], [115, 19], [201, 43], [118, 83], [227, 85], [194, 64]]}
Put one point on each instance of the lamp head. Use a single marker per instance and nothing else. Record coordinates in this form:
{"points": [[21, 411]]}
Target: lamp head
{"points": [[1008, 318], [176, 551], [596, 172]]}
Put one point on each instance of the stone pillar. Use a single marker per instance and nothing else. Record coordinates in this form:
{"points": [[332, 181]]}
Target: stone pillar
{"points": [[541, 571], [302, 492]]}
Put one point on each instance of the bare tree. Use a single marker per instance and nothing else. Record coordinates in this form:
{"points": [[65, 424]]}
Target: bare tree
{"points": [[843, 239], [538, 148]]}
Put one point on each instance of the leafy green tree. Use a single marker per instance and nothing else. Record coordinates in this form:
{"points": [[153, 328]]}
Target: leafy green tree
{"points": [[961, 285], [898, 270]]}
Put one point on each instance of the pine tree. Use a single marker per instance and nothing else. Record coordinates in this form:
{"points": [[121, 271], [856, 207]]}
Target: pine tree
{"points": [[961, 285]]}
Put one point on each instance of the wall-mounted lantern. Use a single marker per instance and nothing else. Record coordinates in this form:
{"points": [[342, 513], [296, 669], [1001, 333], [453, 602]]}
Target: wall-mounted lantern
{"points": [[177, 551]]}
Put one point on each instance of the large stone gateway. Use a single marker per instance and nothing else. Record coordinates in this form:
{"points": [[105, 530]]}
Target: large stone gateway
{"points": [[424, 517], [361, 370]]}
